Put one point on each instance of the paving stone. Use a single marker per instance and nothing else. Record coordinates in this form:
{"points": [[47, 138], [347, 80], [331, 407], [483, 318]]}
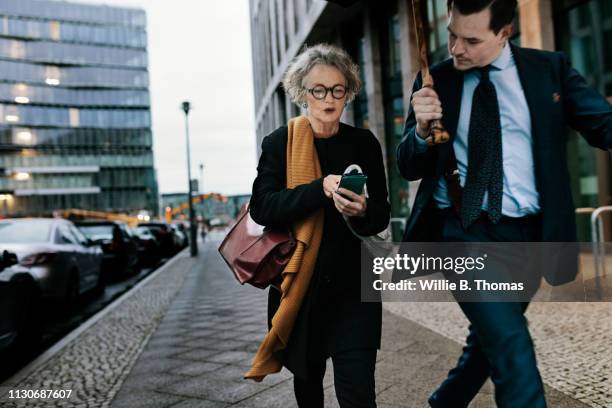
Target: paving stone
{"points": [[163, 351], [279, 396], [199, 403], [217, 390], [199, 354], [196, 368], [230, 357], [160, 364], [216, 344], [144, 399], [151, 381]]}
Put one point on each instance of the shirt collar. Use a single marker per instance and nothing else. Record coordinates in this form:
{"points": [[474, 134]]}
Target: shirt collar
{"points": [[503, 60]]}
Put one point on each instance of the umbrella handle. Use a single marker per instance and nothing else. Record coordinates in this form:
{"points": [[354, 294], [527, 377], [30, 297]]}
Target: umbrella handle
{"points": [[437, 134]]}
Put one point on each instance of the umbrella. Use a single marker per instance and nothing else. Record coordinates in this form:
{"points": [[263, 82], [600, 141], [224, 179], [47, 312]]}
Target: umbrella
{"points": [[437, 133]]}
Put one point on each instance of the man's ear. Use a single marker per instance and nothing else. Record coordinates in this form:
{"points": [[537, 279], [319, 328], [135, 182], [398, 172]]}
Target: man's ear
{"points": [[506, 32]]}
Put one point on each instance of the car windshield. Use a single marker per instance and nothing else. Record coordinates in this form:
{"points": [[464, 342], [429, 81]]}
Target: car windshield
{"points": [[97, 231], [25, 231]]}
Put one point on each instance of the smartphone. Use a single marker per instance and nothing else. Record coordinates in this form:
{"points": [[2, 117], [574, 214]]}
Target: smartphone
{"points": [[353, 182]]}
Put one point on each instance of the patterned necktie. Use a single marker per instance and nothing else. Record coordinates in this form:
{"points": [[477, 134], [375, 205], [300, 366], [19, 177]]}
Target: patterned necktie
{"points": [[485, 164]]}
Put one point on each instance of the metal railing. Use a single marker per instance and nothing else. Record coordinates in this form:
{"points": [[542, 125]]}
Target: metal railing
{"points": [[597, 242], [401, 225], [598, 238], [400, 221]]}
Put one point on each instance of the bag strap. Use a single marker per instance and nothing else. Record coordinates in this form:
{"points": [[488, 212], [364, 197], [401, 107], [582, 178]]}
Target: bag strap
{"points": [[244, 211], [366, 239]]}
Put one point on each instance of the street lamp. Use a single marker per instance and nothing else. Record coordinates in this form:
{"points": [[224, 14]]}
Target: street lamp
{"points": [[192, 224]]}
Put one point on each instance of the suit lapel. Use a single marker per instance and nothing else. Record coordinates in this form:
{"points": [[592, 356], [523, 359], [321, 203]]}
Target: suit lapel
{"points": [[535, 79], [449, 87]]}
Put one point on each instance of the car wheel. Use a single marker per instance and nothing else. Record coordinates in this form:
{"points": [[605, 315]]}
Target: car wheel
{"points": [[30, 328]]}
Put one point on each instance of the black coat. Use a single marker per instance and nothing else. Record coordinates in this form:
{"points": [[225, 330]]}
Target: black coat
{"points": [[557, 97], [332, 317]]}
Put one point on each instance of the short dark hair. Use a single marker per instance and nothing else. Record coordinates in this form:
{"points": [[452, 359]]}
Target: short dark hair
{"points": [[502, 11]]}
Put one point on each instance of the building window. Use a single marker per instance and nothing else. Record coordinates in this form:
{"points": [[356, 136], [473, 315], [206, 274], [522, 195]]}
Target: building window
{"points": [[54, 30], [284, 116], [287, 19], [271, 54], [393, 108], [360, 105], [585, 37], [437, 39], [296, 20], [583, 32]]}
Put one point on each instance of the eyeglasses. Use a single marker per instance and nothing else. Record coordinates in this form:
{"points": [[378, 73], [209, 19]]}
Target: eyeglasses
{"points": [[320, 92]]}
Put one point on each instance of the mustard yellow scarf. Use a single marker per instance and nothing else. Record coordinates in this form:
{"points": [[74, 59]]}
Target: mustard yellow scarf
{"points": [[302, 167]]}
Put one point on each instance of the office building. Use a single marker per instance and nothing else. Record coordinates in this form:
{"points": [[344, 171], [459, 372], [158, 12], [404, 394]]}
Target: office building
{"points": [[75, 121]]}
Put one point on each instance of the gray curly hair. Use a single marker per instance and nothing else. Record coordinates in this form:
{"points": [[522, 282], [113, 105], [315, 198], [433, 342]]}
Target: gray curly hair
{"points": [[325, 54]]}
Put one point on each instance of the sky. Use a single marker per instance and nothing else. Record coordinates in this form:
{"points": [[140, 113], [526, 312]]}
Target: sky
{"points": [[200, 50]]}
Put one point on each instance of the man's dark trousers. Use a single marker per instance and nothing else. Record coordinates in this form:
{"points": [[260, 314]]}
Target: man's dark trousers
{"points": [[499, 344]]}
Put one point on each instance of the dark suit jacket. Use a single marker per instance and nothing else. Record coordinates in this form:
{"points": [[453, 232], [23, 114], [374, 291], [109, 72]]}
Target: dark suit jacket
{"points": [[557, 97]]}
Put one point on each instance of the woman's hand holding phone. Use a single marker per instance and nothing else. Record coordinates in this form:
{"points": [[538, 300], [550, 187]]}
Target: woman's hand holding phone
{"points": [[354, 205], [330, 184], [347, 202]]}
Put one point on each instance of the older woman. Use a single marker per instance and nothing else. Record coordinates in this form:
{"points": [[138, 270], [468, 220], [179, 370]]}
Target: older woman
{"points": [[332, 321]]}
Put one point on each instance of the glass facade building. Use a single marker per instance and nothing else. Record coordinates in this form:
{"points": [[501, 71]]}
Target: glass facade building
{"points": [[75, 119]]}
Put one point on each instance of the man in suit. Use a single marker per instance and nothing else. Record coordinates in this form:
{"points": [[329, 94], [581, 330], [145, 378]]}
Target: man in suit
{"points": [[506, 109]]}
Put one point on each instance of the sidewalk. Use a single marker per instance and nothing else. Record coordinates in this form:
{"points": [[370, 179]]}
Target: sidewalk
{"points": [[186, 337], [204, 344]]}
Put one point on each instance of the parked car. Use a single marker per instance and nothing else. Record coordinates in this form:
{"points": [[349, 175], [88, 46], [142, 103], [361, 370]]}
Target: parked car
{"points": [[168, 240], [119, 247], [148, 246], [19, 304], [183, 226], [60, 259], [181, 233]]}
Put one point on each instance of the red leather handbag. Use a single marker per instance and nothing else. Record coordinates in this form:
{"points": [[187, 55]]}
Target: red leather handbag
{"points": [[256, 255]]}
